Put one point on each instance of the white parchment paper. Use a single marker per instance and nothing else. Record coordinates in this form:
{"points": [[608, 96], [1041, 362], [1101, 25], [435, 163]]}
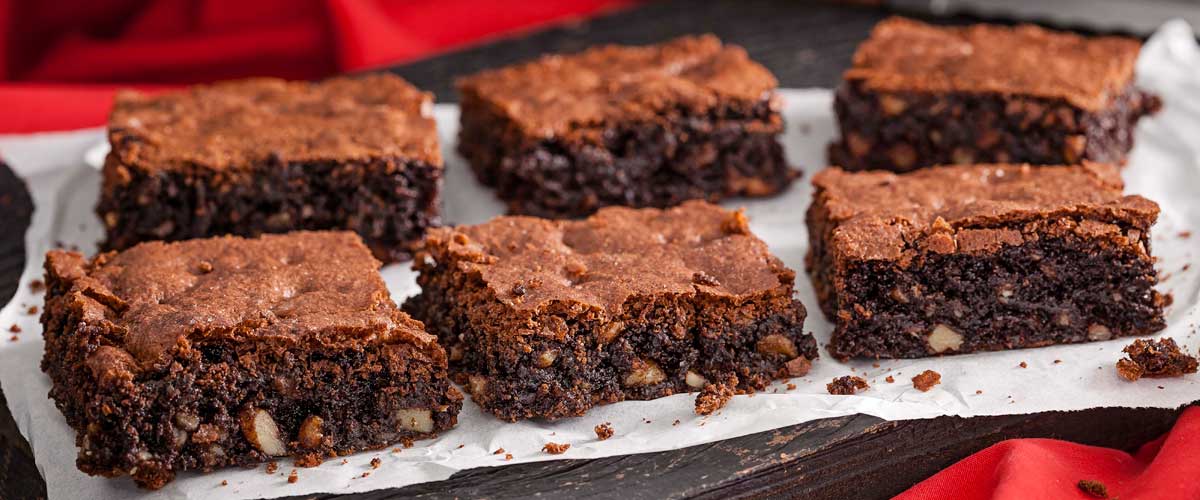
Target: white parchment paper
{"points": [[1165, 166]]}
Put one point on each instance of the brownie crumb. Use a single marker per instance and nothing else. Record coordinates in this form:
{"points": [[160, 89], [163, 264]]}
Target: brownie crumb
{"points": [[518, 290], [1155, 359], [1093, 488], [32, 310], [890, 379], [1183, 235], [205, 267], [676, 422], [498, 451], [604, 431], [925, 380], [716, 395], [272, 467], [978, 391], [791, 387], [847, 385], [15, 328], [293, 476], [556, 448], [376, 462], [37, 286], [1023, 365], [224, 482], [508, 456]]}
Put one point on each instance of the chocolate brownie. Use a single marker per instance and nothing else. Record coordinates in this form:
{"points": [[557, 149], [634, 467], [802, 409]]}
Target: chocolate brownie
{"points": [[646, 126], [548, 318], [986, 257], [268, 156], [919, 95], [228, 351]]}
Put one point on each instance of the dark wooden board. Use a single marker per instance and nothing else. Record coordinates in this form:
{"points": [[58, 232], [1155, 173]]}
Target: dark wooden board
{"points": [[806, 44]]}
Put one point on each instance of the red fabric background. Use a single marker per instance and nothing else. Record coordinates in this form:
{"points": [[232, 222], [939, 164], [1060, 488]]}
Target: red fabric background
{"points": [[61, 60]]}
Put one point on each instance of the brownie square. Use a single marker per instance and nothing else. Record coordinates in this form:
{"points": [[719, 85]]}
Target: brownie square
{"points": [[920, 95], [548, 318], [268, 156], [973, 258], [647, 126], [228, 351]]}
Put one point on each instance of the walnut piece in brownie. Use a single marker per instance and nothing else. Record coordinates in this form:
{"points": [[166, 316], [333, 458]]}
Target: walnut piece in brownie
{"points": [[971, 258], [649, 126], [925, 380], [227, 351], [267, 156], [846, 385], [919, 95], [716, 395], [553, 317], [1155, 359]]}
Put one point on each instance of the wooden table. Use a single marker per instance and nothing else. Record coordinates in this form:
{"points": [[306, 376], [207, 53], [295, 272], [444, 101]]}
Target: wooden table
{"points": [[807, 45]]}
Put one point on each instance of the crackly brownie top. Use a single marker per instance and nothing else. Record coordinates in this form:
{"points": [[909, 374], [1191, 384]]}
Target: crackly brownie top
{"points": [[238, 124], [555, 93], [877, 214], [615, 254], [319, 288], [906, 55]]}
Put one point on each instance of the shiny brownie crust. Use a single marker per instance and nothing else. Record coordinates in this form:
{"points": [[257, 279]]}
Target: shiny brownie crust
{"points": [[544, 320], [1026, 259], [210, 353], [903, 131]]}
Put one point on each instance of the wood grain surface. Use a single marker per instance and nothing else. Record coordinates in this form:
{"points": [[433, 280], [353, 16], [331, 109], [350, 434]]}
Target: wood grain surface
{"points": [[806, 44]]}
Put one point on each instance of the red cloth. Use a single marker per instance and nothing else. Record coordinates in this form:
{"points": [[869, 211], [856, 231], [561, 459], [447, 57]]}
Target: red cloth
{"points": [[61, 60], [1035, 469]]}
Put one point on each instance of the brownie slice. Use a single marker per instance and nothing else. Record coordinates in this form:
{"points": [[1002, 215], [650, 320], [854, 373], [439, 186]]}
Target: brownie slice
{"points": [[919, 95], [268, 156], [548, 318], [646, 126], [973, 258], [228, 351]]}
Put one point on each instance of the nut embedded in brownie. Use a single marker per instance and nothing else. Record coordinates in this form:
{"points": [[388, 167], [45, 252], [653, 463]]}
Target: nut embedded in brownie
{"points": [[227, 351], [646, 126], [987, 257], [267, 156], [919, 95], [548, 318]]}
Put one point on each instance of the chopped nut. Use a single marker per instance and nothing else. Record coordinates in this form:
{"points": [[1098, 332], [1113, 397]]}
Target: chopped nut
{"points": [[556, 448], [891, 104], [477, 385], [943, 338], [962, 156], [293, 476], [1073, 147], [456, 352], [857, 144], [546, 358], [1097, 331], [926, 380], [645, 372], [695, 380], [1092, 488], [737, 223], [609, 332], [604, 431], [311, 435], [260, 430], [205, 266], [777, 345], [414, 419], [902, 155], [518, 290], [847, 385], [1063, 319], [798, 366], [1155, 359]]}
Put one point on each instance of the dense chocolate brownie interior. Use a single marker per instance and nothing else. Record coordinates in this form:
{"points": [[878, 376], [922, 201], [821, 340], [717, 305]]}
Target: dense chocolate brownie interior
{"points": [[228, 351], [617, 125], [549, 318], [264, 155], [959, 259]]}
